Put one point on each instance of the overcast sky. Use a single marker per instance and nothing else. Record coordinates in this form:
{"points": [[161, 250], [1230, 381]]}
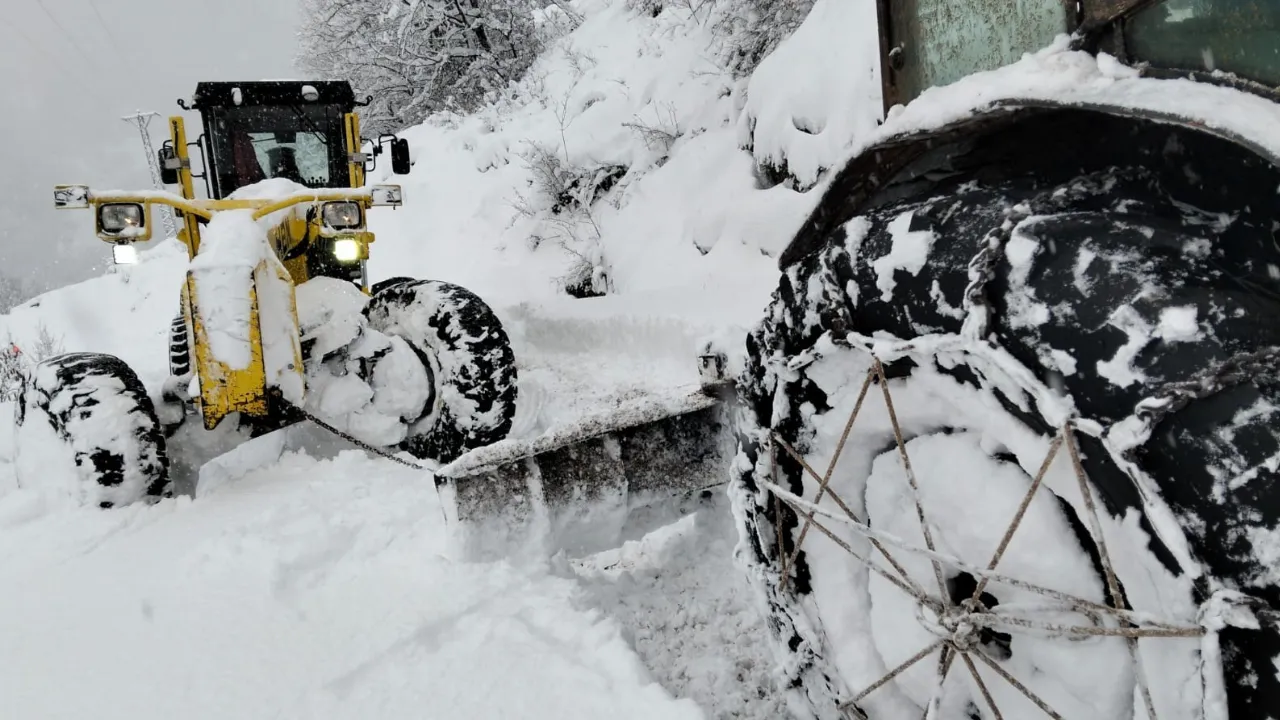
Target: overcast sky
{"points": [[70, 69]]}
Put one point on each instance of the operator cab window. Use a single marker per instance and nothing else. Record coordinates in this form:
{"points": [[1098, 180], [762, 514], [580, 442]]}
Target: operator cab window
{"points": [[1234, 36], [302, 144]]}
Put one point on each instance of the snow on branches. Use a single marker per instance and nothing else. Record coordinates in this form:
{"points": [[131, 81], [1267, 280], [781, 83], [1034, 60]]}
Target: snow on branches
{"points": [[416, 57]]}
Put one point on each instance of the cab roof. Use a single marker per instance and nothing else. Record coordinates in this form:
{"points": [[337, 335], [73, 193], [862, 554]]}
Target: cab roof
{"points": [[272, 92]]}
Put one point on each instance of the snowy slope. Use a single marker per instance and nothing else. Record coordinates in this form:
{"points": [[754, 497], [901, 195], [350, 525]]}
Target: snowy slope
{"points": [[319, 586]]}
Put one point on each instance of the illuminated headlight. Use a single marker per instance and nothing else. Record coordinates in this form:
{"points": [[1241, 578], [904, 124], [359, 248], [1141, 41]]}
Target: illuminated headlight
{"points": [[346, 250], [342, 215], [120, 218], [124, 254]]}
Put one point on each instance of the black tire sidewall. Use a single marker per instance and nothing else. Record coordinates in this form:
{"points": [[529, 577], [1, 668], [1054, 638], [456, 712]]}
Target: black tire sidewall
{"points": [[469, 356]]}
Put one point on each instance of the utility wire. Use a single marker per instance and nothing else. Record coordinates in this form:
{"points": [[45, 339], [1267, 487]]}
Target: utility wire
{"points": [[66, 33], [102, 23], [57, 63]]}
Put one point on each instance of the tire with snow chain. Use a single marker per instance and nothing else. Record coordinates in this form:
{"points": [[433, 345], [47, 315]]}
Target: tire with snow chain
{"points": [[469, 358], [85, 421], [179, 347], [1116, 306]]}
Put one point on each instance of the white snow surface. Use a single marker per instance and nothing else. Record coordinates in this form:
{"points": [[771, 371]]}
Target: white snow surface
{"points": [[312, 588], [1178, 324], [810, 98]]}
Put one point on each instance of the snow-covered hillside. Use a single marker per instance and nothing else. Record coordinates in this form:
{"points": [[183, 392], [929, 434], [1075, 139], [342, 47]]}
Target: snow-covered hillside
{"points": [[627, 163]]}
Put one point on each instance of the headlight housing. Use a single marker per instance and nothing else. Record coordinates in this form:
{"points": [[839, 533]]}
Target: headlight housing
{"points": [[123, 219], [346, 250], [344, 215]]}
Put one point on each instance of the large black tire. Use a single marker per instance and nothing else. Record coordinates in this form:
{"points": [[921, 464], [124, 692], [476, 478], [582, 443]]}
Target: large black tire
{"points": [[101, 415], [1132, 286], [470, 360]]}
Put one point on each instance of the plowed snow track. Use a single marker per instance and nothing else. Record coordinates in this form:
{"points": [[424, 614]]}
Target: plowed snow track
{"points": [[317, 588]]}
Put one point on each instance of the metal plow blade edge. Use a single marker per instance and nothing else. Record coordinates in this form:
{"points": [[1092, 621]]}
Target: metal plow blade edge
{"points": [[593, 485]]}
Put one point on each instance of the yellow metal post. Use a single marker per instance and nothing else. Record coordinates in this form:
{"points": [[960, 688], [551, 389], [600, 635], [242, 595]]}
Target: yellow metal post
{"points": [[351, 123], [178, 135]]}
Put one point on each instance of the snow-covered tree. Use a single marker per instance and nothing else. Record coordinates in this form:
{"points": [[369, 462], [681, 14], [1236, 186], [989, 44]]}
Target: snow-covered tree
{"points": [[415, 57]]}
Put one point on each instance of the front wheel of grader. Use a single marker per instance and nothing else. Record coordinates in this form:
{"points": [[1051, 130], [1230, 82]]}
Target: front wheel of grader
{"points": [[470, 364]]}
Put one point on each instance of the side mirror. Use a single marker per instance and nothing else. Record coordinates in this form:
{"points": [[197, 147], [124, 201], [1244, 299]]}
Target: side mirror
{"points": [[169, 165], [386, 195], [400, 156], [67, 197]]}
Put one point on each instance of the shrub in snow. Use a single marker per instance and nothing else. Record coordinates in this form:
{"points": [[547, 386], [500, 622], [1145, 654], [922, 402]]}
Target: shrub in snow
{"points": [[751, 29], [565, 196], [652, 8], [11, 369], [416, 57], [17, 360], [660, 134], [565, 187]]}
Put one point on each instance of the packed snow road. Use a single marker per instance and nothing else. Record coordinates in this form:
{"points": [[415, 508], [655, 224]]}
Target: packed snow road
{"points": [[320, 588]]}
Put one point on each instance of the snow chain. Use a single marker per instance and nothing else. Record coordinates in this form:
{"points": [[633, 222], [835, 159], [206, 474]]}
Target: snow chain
{"points": [[1224, 609], [355, 440]]}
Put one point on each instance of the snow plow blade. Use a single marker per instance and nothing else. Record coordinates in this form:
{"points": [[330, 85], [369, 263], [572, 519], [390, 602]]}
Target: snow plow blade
{"points": [[593, 485]]}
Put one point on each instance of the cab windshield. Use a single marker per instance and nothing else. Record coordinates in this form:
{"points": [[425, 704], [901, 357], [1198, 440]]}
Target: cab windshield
{"points": [[301, 143], [1235, 36]]}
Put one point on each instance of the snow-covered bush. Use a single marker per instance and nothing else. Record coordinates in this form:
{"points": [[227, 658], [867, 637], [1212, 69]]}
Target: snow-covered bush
{"points": [[416, 57], [658, 135], [562, 202], [751, 29], [565, 187], [16, 361]]}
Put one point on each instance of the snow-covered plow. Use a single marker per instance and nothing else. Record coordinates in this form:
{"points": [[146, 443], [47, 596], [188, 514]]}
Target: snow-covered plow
{"points": [[598, 482]]}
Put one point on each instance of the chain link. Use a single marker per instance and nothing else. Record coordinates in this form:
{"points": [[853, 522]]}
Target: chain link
{"points": [[355, 440]]}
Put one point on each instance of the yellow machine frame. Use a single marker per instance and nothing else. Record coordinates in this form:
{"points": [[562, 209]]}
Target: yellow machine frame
{"points": [[223, 389]]}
